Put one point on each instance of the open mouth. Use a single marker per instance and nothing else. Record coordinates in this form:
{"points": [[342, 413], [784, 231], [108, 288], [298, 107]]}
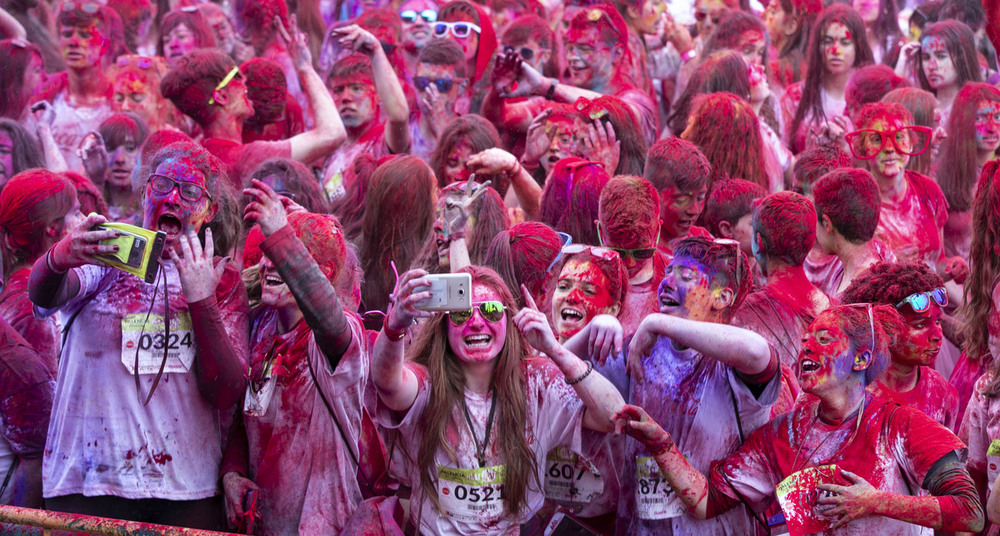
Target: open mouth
{"points": [[807, 366], [570, 314], [478, 341], [170, 224], [272, 280], [669, 301]]}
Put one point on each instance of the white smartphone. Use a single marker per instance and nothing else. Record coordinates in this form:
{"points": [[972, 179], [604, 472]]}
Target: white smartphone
{"points": [[449, 292]]}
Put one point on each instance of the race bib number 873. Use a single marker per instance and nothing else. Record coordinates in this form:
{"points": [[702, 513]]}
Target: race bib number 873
{"points": [[653, 497], [471, 495]]}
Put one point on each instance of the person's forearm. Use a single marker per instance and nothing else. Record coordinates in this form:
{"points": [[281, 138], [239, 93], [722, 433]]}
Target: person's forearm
{"points": [[528, 192], [601, 397], [686, 481], [54, 160], [217, 365], [393, 102], [396, 385], [569, 93], [236, 456], [501, 112], [458, 254], [329, 131], [315, 296], [742, 349], [49, 288], [929, 511], [993, 504], [10, 28]]}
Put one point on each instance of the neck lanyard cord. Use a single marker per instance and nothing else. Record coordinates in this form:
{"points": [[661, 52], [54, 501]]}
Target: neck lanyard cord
{"points": [[481, 450]]}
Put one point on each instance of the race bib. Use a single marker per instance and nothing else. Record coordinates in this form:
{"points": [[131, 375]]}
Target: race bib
{"points": [[256, 402], [653, 497], [570, 478], [471, 495], [798, 496], [151, 340], [993, 460]]}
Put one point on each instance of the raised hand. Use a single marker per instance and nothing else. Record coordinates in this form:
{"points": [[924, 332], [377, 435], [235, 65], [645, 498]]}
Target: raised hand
{"points": [[601, 145], [538, 139], [197, 270], [513, 77], [82, 245], [94, 155], [535, 327], [358, 39], [605, 338], [296, 42], [641, 346], [267, 209], [493, 161], [456, 215], [403, 312]]}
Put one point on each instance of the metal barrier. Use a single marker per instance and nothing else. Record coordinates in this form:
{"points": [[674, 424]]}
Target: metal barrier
{"points": [[60, 521]]}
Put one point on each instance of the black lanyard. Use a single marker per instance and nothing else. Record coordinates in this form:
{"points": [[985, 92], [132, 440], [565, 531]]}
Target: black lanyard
{"points": [[481, 449]]}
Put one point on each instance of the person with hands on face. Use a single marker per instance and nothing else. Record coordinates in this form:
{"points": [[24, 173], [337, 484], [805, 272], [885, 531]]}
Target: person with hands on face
{"points": [[527, 192], [706, 382], [370, 102], [306, 353], [843, 463], [442, 84], [553, 134], [453, 449], [125, 377]]}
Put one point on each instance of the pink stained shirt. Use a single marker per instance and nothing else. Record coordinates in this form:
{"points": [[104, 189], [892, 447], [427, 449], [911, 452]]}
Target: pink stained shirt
{"points": [[911, 226], [932, 395]]}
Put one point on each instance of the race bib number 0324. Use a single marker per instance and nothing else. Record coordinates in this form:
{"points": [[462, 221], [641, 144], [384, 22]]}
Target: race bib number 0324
{"points": [[150, 339], [471, 495]]}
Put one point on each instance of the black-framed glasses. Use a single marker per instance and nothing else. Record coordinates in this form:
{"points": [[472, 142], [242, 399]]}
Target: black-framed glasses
{"points": [[491, 311], [867, 143], [189, 191], [443, 85], [459, 29], [921, 301], [526, 53], [410, 16]]}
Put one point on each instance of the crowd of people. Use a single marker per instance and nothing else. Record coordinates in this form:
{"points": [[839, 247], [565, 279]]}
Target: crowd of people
{"points": [[735, 266]]}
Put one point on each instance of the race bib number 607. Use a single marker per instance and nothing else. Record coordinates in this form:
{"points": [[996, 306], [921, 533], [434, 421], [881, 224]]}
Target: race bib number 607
{"points": [[471, 495]]}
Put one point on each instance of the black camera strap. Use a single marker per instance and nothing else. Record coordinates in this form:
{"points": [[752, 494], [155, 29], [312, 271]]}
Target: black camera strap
{"points": [[166, 323]]}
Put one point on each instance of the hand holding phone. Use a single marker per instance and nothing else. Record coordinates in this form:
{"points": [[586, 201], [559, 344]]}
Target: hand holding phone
{"points": [[136, 250], [83, 245], [448, 292]]}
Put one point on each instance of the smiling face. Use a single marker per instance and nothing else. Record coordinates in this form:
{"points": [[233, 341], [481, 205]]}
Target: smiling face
{"points": [[838, 49], [888, 163], [686, 290], [416, 34], [580, 294], [170, 212], [273, 290], [478, 340], [939, 69], [590, 61], [82, 46], [988, 126], [826, 357], [355, 98], [177, 43], [469, 43], [920, 344], [678, 210]]}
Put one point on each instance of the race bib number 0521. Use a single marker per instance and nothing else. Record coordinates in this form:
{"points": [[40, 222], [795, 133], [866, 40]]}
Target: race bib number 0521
{"points": [[471, 495]]}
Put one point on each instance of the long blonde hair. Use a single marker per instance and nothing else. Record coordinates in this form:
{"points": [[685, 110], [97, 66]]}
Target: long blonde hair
{"points": [[447, 384]]}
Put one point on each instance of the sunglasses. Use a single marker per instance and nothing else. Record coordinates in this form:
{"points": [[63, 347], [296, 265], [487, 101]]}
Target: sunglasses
{"points": [[700, 16], [921, 301], [526, 53], [189, 191], [444, 85], [603, 253], [491, 311], [89, 8], [225, 82], [639, 254], [458, 29], [867, 143], [410, 16], [566, 240]]}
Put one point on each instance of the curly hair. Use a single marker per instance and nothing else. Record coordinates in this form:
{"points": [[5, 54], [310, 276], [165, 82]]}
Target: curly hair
{"points": [[984, 266], [890, 283], [850, 198]]}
